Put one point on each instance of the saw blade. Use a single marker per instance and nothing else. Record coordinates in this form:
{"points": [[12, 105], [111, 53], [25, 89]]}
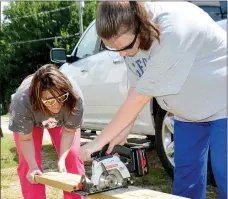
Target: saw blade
{"points": [[110, 179], [95, 191]]}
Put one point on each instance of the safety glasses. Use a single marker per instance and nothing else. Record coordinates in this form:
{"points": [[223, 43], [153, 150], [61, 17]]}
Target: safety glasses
{"points": [[52, 101], [130, 46]]}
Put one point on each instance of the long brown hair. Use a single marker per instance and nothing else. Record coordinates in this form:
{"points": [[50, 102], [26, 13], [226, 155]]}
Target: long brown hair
{"points": [[114, 18], [48, 77]]}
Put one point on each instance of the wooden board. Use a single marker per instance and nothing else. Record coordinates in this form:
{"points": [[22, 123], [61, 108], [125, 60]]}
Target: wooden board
{"points": [[64, 181], [69, 182], [133, 192]]}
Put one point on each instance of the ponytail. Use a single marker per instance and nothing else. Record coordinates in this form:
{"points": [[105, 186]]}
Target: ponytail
{"points": [[149, 31]]}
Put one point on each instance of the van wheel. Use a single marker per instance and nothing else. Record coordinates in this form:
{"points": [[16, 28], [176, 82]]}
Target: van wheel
{"points": [[164, 143]]}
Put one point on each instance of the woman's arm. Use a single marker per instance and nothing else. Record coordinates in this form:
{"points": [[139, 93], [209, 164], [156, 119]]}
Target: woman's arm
{"points": [[67, 138], [120, 138], [66, 142], [124, 117], [27, 149]]}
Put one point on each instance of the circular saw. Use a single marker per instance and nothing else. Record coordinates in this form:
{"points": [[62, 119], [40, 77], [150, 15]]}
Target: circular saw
{"points": [[114, 170]]}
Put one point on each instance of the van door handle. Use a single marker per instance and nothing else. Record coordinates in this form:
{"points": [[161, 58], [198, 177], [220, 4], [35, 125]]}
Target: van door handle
{"points": [[84, 70], [118, 61]]}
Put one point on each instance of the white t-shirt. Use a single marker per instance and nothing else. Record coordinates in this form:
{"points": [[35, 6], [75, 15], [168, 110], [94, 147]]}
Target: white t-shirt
{"points": [[186, 71]]}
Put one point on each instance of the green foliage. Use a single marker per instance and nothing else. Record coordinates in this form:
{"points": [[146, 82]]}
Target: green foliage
{"points": [[18, 60]]}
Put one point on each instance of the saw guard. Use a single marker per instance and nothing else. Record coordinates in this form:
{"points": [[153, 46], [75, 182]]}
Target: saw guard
{"points": [[112, 164]]}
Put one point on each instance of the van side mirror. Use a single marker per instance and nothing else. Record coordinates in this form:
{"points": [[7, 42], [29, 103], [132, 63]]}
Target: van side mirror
{"points": [[58, 55]]}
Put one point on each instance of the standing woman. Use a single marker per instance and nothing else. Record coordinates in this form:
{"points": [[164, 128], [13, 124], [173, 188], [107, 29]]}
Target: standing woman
{"points": [[175, 53], [46, 99]]}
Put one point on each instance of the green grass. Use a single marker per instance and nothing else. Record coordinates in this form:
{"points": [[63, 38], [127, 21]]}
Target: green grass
{"points": [[8, 152], [157, 179]]}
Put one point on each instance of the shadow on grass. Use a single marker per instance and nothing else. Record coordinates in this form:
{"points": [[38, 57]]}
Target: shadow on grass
{"points": [[13, 150]]}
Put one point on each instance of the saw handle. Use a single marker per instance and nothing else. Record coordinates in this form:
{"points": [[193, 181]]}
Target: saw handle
{"points": [[100, 153], [121, 150]]}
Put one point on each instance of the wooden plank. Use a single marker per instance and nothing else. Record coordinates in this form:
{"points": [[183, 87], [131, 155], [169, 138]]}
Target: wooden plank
{"points": [[64, 181], [69, 182], [101, 196], [133, 192]]}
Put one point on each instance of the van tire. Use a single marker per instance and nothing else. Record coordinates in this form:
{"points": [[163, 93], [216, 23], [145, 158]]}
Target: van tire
{"points": [[159, 143]]}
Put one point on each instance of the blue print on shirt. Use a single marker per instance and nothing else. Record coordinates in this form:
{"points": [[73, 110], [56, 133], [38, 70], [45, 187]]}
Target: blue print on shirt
{"points": [[139, 66]]}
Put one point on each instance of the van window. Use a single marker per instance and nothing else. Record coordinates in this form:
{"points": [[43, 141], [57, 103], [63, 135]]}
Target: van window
{"points": [[87, 45]]}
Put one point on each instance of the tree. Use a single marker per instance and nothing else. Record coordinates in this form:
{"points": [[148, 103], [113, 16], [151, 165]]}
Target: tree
{"points": [[31, 21]]}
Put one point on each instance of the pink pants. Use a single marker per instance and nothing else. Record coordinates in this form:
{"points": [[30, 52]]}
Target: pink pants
{"points": [[73, 164]]}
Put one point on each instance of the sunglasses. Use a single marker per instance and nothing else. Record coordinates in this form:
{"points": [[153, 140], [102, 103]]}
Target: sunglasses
{"points": [[130, 46], [52, 101]]}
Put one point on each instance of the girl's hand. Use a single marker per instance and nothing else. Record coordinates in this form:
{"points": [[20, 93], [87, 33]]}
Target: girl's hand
{"points": [[31, 175], [62, 166]]}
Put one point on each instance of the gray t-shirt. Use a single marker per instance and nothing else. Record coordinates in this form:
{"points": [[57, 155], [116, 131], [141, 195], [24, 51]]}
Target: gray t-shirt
{"points": [[23, 118], [186, 71]]}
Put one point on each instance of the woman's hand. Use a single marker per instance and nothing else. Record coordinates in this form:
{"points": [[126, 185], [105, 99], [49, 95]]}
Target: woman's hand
{"points": [[118, 140], [61, 166], [31, 175], [89, 148]]}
